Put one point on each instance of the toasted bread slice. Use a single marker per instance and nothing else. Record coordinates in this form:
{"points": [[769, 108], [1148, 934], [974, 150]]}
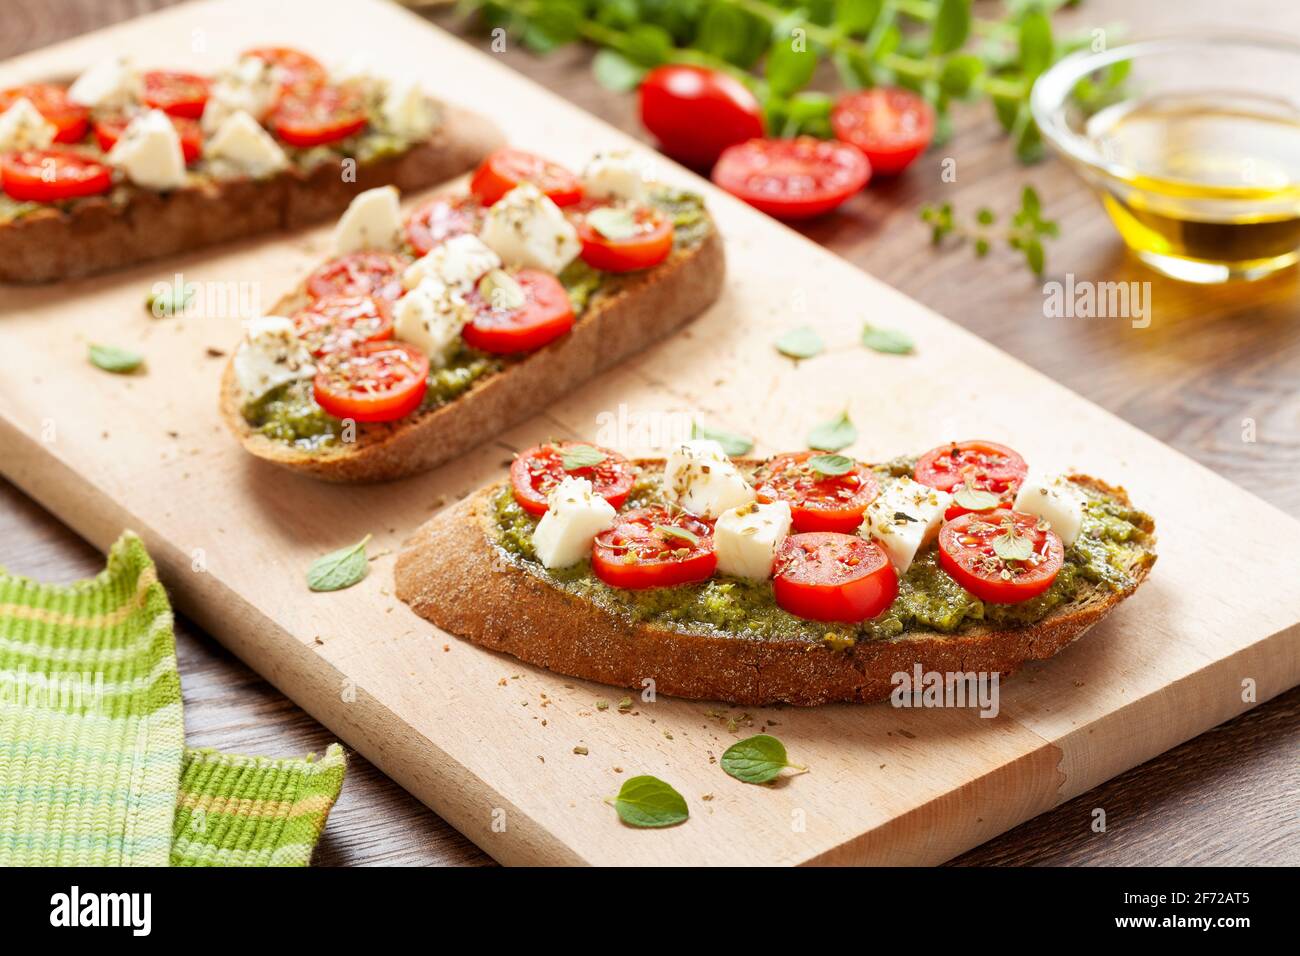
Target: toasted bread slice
{"points": [[644, 308], [454, 574], [100, 234]]}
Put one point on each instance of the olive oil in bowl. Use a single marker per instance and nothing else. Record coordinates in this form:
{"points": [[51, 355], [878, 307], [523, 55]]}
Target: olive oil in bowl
{"points": [[1204, 186]]}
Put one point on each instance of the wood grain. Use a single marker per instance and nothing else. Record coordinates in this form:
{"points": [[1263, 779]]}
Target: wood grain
{"points": [[984, 298]]}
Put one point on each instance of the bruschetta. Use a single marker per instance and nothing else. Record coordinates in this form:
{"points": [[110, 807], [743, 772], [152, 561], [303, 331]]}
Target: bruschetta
{"points": [[805, 578], [426, 335], [125, 165]]}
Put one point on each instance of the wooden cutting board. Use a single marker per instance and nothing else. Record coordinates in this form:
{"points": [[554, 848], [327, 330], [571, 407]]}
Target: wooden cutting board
{"points": [[489, 743]]}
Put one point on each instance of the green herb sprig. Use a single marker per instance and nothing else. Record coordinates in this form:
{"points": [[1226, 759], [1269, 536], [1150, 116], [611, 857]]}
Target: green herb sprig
{"points": [[1025, 234]]}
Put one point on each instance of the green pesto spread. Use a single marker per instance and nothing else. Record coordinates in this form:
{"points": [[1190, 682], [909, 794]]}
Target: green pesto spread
{"points": [[1111, 542]]}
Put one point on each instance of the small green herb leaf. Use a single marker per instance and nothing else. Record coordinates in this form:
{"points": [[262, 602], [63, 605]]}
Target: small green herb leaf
{"points": [[833, 435], [800, 343], [757, 759], [975, 499], [668, 531], [170, 299], [790, 64], [830, 465], [115, 360], [890, 341], [339, 569], [647, 801], [581, 456], [731, 443], [616, 72], [951, 26], [501, 290], [613, 222], [1010, 546]]}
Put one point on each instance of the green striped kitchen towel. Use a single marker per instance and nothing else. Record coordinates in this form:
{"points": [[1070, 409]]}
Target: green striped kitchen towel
{"points": [[93, 765]]}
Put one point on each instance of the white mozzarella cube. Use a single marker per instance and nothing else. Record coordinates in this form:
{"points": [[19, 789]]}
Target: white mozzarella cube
{"points": [[747, 538], [242, 142], [904, 519], [528, 231], [23, 127], [373, 220], [149, 152], [700, 478], [575, 514], [1056, 500], [407, 112], [109, 85], [459, 262], [431, 317], [270, 355], [251, 87], [618, 175]]}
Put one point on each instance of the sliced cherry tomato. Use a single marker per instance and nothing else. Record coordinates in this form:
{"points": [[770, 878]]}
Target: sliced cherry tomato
{"points": [[318, 115], [109, 131], [642, 237], [48, 175], [337, 322], [297, 70], [372, 382], [71, 120], [547, 313], [654, 548], [443, 218], [792, 178], [828, 576], [981, 465], [968, 552], [696, 113], [536, 472], [177, 94], [892, 126], [507, 168], [818, 502], [377, 274]]}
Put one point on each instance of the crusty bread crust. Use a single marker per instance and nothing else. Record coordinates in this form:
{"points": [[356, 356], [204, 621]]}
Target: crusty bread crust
{"points": [[453, 574], [98, 235], [615, 326]]}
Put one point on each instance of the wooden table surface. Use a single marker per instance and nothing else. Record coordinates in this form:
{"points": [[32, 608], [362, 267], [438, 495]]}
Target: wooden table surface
{"points": [[1212, 360]]}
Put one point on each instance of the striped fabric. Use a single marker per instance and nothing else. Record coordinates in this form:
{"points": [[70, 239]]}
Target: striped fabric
{"points": [[93, 767]]}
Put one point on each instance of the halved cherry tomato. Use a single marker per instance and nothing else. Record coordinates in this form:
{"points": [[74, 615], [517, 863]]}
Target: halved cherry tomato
{"points": [[336, 322], [71, 120], [696, 113], [177, 94], [109, 131], [507, 168], [892, 126], [536, 472], [983, 465], [649, 240], [547, 313], [828, 576], [318, 115], [967, 552], [297, 70], [443, 218], [377, 274], [654, 548], [48, 175], [792, 178], [372, 382], [818, 502]]}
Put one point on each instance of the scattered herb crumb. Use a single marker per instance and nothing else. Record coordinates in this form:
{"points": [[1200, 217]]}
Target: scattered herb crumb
{"points": [[580, 750], [602, 704]]}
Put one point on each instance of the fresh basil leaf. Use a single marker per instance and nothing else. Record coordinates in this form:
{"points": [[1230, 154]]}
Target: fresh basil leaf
{"points": [[951, 26], [857, 17], [581, 456], [731, 443], [339, 569], [757, 759], [800, 343], [170, 300], [613, 222], [975, 499], [668, 531], [647, 801], [115, 360], [833, 435], [890, 341], [790, 64], [616, 72], [831, 465], [1010, 546], [501, 290]]}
